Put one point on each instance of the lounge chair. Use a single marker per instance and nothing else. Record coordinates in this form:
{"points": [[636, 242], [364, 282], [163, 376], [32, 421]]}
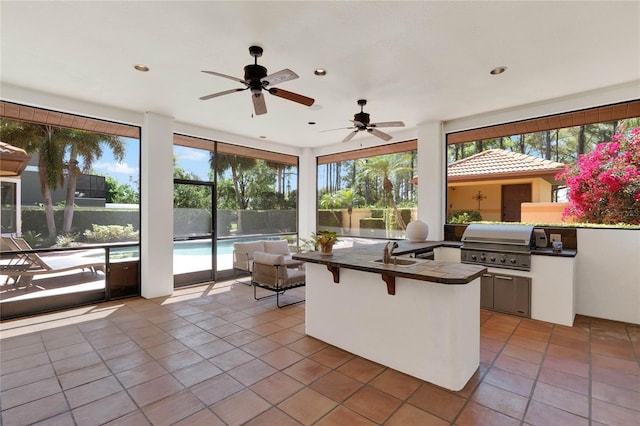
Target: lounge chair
{"points": [[272, 272], [22, 266]]}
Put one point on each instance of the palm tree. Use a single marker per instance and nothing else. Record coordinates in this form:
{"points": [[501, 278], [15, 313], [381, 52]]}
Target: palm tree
{"points": [[385, 167], [51, 144], [88, 147], [348, 198], [237, 165], [329, 201]]}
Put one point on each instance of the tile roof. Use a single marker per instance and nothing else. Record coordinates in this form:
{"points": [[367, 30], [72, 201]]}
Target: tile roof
{"points": [[495, 163]]}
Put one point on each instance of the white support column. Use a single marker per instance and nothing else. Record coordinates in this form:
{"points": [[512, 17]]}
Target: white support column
{"points": [[432, 180], [156, 179], [307, 194]]}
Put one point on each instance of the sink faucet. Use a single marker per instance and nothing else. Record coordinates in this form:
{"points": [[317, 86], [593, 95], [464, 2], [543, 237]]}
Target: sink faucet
{"points": [[386, 256]]}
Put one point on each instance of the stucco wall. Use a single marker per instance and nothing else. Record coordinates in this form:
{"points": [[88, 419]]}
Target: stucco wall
{"points": [[608, 274]]}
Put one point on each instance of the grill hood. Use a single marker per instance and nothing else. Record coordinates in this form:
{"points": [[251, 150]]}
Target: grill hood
{"points": [[509, 237]]}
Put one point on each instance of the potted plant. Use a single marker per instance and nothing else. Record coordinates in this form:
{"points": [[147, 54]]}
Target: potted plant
{"points": [[324, 240]]}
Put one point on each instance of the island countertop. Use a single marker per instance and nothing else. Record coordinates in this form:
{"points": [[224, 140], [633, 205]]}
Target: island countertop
{"points": [[362, 258]]}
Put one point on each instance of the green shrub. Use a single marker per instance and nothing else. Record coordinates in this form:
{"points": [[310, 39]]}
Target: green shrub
{"points": [[35, 239], [371, 223], [377, 213], [111, 233], [65, 240], [464, 216], [330, 218]]}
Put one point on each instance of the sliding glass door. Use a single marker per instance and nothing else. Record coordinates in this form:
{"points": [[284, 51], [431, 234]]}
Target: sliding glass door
{"points": [[194, 258]]}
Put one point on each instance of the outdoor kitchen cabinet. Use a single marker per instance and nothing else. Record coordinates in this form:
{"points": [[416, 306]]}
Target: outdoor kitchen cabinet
{"points": [[123, 278], [510, 294]]}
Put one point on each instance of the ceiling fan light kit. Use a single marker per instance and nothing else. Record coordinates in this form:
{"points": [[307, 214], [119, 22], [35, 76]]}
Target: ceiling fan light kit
{"points": [[257, 79]]}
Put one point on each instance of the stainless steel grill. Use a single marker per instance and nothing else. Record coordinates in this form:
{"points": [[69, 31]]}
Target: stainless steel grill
{"points": [[498, 245]]}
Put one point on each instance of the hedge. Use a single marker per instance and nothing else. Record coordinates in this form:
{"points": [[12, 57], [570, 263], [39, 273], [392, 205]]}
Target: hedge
{"points": [[34, 220]]}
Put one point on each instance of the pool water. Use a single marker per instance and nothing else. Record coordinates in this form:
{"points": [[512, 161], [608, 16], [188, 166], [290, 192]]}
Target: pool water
{"points": [[200, 248]]}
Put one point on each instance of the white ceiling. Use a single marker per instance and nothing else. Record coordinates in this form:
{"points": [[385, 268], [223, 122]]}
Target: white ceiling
{"points": [[413, 61]]}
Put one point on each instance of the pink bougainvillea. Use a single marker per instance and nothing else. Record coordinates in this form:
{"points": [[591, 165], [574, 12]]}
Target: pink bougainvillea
{"points": [[604, 185]]}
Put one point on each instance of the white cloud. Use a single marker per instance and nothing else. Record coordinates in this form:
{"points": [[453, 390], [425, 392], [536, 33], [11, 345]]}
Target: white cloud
{"points": [[191, 154], [115, 168]]}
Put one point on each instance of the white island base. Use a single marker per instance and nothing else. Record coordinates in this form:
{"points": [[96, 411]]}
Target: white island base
{"points": [[427, 330]]}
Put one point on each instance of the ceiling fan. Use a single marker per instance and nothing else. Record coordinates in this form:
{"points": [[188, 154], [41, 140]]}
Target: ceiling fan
{"points": [[361, 122], [256, 80]]}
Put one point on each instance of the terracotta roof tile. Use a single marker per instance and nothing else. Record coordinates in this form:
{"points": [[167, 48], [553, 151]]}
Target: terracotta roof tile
{"points": [[501, 162]]}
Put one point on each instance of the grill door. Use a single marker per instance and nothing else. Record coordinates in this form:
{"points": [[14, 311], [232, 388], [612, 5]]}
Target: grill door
{"points": [[486, 291], [512, 294]]}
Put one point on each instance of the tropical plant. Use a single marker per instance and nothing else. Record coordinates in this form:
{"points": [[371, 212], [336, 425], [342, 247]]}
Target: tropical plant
{"points": [[120, 193], [238, 166], [52, 145], [385, 167], [323, 239], [330, 201], [604, 185], [348, 198], [86, 146]]}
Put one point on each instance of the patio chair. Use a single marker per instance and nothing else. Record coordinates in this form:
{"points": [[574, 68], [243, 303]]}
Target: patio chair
{"points": [[270, 272], [23, 266]]}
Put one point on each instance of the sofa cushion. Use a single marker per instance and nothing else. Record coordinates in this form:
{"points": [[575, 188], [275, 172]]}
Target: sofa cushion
{"points": [[271, 260]]}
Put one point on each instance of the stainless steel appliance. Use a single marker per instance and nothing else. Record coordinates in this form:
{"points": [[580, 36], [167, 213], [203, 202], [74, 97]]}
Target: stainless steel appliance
{"points": [[498, 245]]}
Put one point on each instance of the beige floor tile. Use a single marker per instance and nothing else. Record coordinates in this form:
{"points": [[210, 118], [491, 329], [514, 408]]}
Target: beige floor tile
{"points": [[307, 406], [240, 407], [72, 367]]}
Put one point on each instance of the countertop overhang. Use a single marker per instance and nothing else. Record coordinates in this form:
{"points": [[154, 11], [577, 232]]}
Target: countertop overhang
{"points": [[361, 258]]}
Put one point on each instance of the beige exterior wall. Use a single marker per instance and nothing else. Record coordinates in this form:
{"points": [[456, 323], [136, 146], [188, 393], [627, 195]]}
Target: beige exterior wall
{"points": [[544, 212], [460, 196], [357, 214]]}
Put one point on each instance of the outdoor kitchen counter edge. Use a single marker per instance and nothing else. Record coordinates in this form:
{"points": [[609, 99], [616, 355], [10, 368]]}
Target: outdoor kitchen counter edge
{"points": [[361, 258]]}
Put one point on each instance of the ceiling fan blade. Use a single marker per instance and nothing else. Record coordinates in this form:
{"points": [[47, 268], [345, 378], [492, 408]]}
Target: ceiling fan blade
{"points": [[350, 136], [340, 128], [388, 124], [291, 96], [226, 92], [279, 77], [259, 104], [380, 134], [239, 80], [358, 123]]}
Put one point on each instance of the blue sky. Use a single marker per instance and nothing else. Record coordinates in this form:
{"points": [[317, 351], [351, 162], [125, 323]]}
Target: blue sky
{"points": [[191, 160]]}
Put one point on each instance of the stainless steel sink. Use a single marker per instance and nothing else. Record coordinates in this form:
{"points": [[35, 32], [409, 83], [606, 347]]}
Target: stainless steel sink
{"points": [[397, 262]]}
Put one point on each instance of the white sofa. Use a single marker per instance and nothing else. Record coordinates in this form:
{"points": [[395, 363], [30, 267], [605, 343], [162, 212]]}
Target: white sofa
{"points": [[243, 253]]}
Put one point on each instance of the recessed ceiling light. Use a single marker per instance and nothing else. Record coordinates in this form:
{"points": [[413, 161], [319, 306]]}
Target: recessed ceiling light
{"points": [[497, 70], [140, 67], [263, 137], [311, 123], [320, 72]]}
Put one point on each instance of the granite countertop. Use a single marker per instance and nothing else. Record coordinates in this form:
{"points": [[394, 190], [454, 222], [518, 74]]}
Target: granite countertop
{"points": [[362, 258]]}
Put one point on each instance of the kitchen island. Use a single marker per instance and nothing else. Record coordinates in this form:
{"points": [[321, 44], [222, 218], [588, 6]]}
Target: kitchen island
{"points": [[422, 318]]}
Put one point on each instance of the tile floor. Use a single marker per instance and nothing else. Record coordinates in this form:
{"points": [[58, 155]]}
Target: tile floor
{"points": [[211, 355]]}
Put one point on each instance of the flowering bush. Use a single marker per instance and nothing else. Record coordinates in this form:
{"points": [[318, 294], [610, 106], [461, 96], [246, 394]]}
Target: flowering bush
{"points": [[604, 185]]}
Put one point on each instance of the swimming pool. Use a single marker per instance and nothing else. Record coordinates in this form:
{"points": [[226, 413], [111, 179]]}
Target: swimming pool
{"points": [[201, 247]]}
